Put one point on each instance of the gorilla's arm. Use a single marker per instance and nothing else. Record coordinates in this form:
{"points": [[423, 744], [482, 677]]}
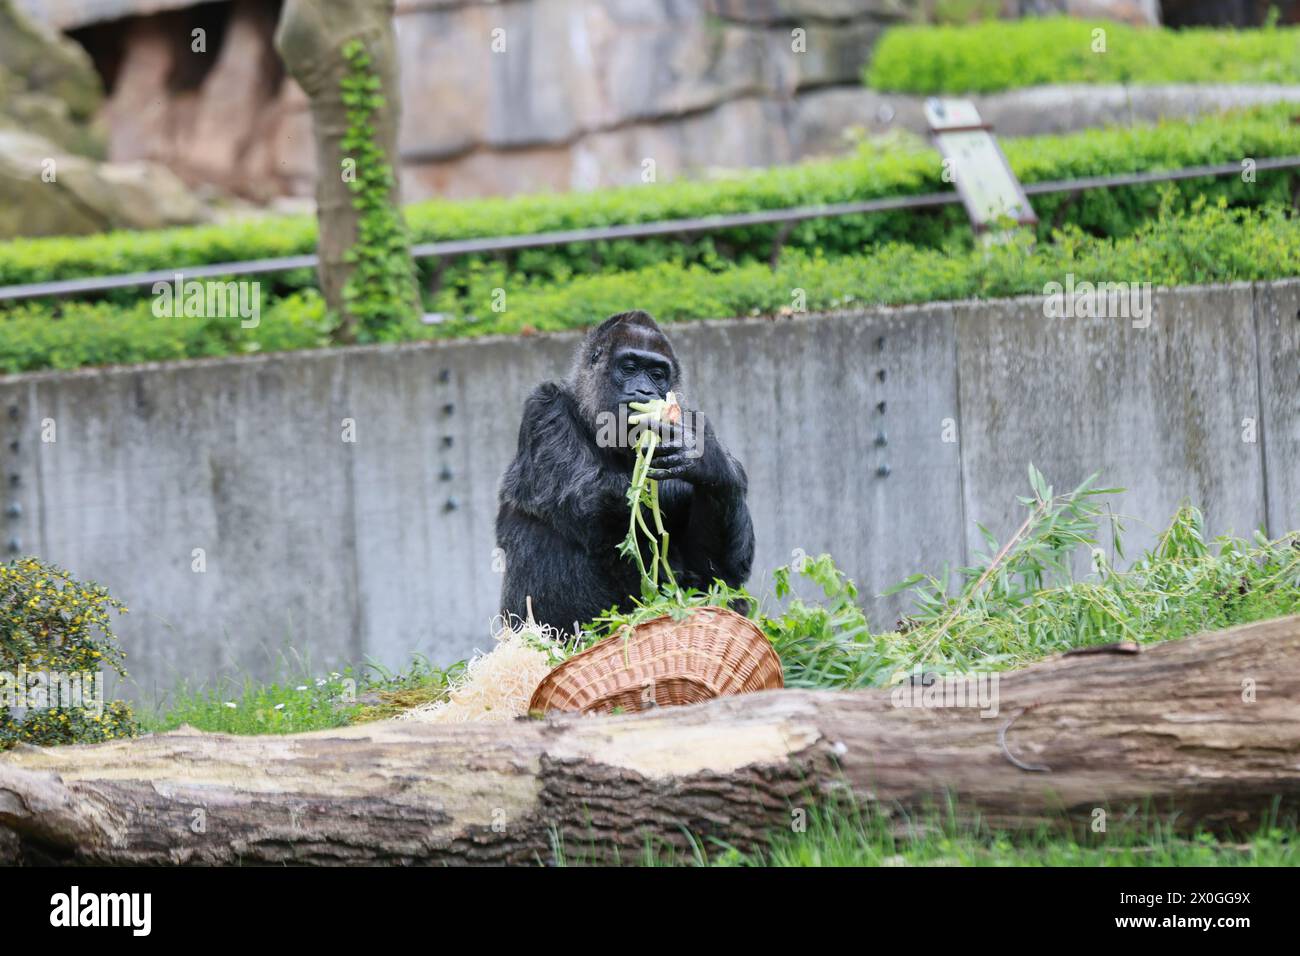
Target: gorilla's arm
{"points": [[719, 534], [558, 475]]}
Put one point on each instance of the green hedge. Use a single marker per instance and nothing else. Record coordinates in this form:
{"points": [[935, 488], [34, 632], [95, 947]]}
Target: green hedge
{"points": [[1000, 55], [1254, 133], [1212, 244]]}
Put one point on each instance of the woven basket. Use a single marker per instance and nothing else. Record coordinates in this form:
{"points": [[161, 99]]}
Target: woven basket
{"points": [[710, 653]]}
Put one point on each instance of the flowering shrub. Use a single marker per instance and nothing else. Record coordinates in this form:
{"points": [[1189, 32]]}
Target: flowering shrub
{"points": [[56, 644]]}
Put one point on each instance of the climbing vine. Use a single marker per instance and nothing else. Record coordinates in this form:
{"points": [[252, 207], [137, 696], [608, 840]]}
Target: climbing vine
{"points": [[380, 294]]}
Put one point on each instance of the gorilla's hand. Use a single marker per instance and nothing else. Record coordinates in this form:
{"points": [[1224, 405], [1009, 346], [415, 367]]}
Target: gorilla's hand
{"points": [[690, 452]]}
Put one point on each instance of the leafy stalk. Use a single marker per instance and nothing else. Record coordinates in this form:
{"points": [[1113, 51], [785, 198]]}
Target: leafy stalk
{"points": [[642, 496]]}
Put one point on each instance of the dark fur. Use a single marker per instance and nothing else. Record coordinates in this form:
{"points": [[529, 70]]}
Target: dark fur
{"points": [[563, 507]]}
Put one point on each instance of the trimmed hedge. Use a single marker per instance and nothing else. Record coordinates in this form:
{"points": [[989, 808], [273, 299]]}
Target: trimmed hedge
{"points": [[1212, 244], [999, 55], [75, 334], [1258, 132]]}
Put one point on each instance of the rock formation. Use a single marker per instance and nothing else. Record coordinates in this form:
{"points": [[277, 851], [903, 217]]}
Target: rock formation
{"points": [[51, 179]]}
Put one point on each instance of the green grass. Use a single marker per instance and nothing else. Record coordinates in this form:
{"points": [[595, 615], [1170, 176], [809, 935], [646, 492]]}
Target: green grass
{"points": [[998, 55], [889, 258], [855, 838], [253, 707], [848, 835], [1206, 246], [1018, 603], [301, 701]]}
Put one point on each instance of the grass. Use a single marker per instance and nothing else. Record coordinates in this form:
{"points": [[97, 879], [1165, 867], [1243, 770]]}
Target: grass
{"points": [[897, 165], [850, 837], [391, 692], [252, 707], [299, 701]]}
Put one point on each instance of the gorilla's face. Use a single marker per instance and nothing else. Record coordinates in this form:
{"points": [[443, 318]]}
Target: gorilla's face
{"points": [[634, 373], [626, 359], [639, 375]]}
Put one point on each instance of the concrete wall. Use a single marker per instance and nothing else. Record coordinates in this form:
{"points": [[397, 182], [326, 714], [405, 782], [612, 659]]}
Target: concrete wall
{"points": [[384, 547]]}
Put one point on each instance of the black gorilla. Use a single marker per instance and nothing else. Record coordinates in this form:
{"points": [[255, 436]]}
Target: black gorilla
{"points": [[563, 501]]}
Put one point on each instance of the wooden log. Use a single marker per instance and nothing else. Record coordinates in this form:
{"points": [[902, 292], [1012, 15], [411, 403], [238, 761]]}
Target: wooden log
{"points": [[1205, 729]]}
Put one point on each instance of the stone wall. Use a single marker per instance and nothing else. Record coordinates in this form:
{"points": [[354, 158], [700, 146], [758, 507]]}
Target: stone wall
{"points": [[52, 180], [510, 97], [580, 94], [503, 97]]}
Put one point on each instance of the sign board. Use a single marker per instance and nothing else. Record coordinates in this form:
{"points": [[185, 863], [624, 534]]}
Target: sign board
{"points": [[988, 188]]}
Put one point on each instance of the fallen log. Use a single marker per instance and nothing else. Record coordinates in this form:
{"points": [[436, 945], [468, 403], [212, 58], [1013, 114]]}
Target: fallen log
{"points": [[1205, 729]]}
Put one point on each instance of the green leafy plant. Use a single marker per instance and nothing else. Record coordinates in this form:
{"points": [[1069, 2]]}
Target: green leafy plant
{"points": [[1209, 243], [998, 55], [825, 643], [1055, 583], [56, 636], [1039, 550], [904, 168], [643, 496], [381, 291]]}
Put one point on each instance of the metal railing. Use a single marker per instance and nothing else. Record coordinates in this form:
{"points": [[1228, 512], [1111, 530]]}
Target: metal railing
{"points": [[455, 247]]}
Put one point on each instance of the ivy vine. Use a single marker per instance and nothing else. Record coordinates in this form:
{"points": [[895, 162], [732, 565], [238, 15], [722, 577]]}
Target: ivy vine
{"points": [[380, 295]]}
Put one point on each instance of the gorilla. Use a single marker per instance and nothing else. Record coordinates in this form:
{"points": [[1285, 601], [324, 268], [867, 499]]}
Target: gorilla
{"points": [[563, 500]]}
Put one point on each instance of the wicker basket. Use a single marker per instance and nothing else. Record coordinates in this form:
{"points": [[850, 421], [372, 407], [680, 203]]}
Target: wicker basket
{"points": [[710, 653]]}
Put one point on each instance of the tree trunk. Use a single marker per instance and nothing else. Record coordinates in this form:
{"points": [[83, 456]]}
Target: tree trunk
{"points": [[310, 40], [1207, 727]]}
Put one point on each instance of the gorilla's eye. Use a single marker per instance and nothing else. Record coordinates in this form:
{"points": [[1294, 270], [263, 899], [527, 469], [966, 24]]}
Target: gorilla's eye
{"points": [[658, 375], [628, 368]]}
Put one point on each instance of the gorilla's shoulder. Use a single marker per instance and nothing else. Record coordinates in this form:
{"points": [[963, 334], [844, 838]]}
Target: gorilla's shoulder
{"points": [[552, 449], [548, 392], [548, 401]]}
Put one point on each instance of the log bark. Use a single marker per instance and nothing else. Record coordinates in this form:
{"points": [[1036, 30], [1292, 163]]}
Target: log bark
{"points": [[1205, 729]]}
